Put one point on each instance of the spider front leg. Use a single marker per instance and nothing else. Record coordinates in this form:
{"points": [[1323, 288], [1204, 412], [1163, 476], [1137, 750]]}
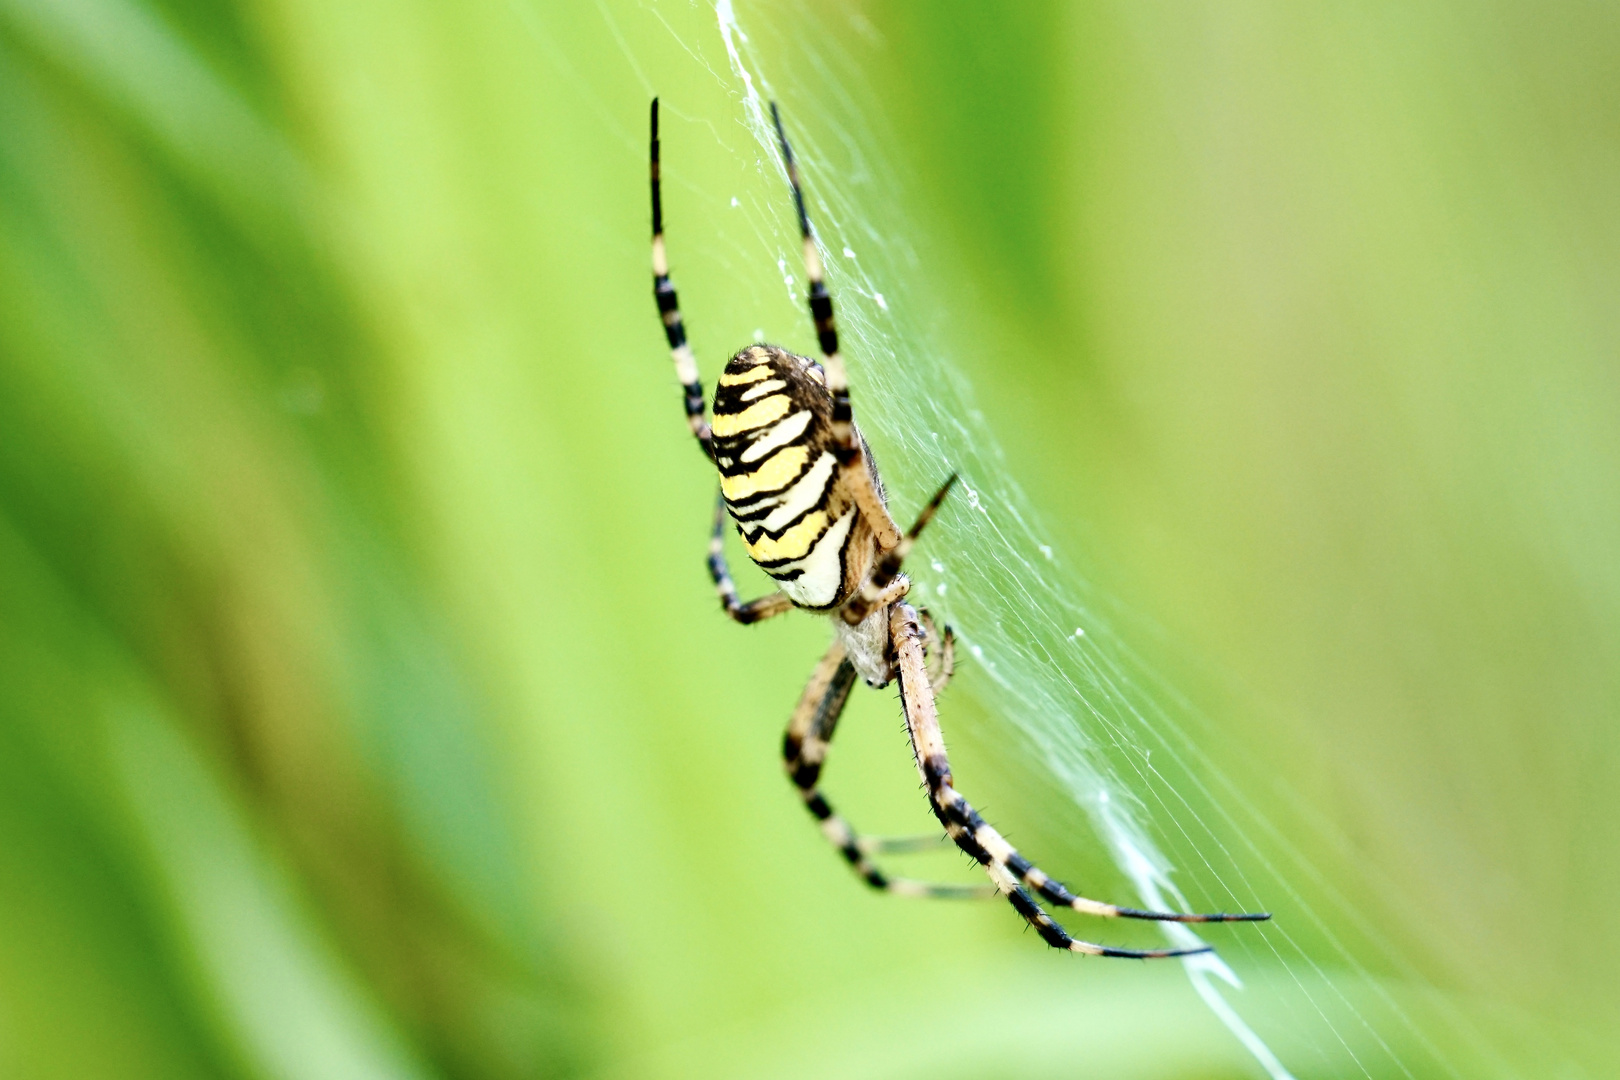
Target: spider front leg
{"points": [[804, 750], [720, 572], [1013, 875]]}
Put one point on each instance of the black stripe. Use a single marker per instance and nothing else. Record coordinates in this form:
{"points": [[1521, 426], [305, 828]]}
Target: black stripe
{"points": [[821, 311], [750, 510], [728, 403], [767, 564], [657, 203], [805, 775], [843, 572], [736, 444], [820, 305], [718, 570], [819, 504], [751, 434], [1052, 889], [967, 840], [730, 393], [792, 171], [1051, 933], [664, 293], [745, 506], [818, 807], [745, 614], [832, 703], [694, 398]]}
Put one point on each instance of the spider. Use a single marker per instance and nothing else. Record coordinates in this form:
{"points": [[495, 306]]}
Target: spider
{"points": [[800, 484]]}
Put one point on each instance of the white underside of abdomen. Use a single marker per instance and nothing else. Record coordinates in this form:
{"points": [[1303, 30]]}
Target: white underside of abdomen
{"points": [[823, 567]]}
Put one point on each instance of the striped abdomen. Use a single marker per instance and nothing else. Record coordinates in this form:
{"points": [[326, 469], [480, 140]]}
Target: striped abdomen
{"points": [[780, 479]]}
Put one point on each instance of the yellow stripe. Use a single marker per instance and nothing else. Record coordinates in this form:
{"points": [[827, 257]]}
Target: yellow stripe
{"points": [[794, 544], [777, 472], [756, 415], [764, 371]]}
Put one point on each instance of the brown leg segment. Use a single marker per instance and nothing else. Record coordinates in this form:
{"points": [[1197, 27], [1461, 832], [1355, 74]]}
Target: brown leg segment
{"points": [[872, 592]]}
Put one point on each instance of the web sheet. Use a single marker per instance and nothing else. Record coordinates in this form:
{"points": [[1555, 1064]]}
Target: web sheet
{"points": [[1115, 739]]}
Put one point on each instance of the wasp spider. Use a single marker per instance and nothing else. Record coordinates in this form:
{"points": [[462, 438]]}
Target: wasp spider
{"points": [[799, 482]]}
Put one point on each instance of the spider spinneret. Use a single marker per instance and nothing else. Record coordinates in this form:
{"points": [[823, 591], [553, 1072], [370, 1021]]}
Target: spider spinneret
{"points": [[799, 483]]}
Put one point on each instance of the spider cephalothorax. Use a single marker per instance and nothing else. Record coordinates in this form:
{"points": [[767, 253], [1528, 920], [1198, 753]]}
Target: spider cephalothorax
{"points": [[799, 482]]}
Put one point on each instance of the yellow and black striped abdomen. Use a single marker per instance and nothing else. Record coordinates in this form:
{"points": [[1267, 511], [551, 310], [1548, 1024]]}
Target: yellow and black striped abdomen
{"points": [[779, 476]]}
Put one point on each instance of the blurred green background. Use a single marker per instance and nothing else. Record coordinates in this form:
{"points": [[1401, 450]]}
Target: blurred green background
{"points": [[364, 708]]}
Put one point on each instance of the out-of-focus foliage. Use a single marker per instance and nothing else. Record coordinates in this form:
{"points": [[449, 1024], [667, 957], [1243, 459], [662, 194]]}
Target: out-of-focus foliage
{"points": [[364, 711]]}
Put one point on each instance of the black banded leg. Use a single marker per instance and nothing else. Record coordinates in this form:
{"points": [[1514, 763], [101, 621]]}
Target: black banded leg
{"points": [[874, 590], [847, 445], [907, 845], [804, 749], [942, 659], [753, 611], [1012, 874], [669, 309]]}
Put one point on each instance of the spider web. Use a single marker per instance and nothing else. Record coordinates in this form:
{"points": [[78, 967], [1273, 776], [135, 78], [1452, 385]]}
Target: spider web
{"points": [[1297, 993]]}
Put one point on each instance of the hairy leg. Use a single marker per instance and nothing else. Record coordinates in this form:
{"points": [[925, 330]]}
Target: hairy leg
{"points": [[1015, 876]]}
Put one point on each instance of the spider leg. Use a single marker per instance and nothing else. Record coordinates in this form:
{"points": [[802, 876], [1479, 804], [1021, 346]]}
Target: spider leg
{"points": [[753, 611], [941, 661], [669, 308], [874, 590], [1014, 875], [847, 445], [907, 845], [804, 749]]}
